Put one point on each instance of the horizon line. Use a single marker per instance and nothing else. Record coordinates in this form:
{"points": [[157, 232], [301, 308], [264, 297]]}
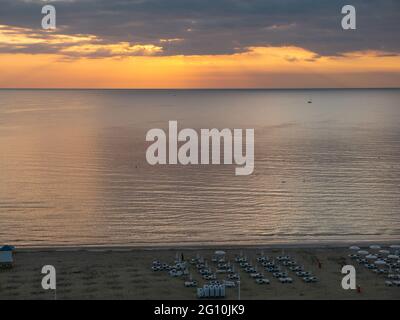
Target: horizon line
{"points": [[200, 89]]}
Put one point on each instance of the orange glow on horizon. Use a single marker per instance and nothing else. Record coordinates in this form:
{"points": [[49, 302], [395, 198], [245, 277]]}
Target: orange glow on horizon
{"points": [[85, 61]]}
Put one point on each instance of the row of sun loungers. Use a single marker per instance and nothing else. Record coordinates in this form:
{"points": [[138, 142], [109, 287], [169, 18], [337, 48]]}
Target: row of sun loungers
{"points": [[392, 283], [252, 271], [285, 261], [220, 268], [382, 261]]}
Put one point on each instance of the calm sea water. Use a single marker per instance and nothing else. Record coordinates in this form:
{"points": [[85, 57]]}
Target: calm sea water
{"points": [[73, 168]]}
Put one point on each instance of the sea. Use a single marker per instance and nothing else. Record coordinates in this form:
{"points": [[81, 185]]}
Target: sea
{"points": [[73, 169]]}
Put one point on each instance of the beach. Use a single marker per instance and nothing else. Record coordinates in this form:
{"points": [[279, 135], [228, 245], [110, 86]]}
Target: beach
{"points": [[126, 273]]}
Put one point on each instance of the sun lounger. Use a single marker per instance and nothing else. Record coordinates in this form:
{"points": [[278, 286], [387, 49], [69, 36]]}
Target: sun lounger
{"points": [[229, 284], [388, 283], [285, 280], [310, 279], [269, 264], [303, 274], [209, 277], [280, 274], [175, 273], [256, 275], [262, 281], [156, 268], [262, 259], [296, 268], [233, 276], [250, 270], [190, 284]]}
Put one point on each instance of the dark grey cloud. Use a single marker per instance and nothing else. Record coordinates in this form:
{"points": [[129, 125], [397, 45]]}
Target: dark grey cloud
{"points": [[219, 26]]}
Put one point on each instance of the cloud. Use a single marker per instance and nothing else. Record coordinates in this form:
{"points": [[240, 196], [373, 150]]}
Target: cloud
{"points": [[25, 40], [207, 27]]}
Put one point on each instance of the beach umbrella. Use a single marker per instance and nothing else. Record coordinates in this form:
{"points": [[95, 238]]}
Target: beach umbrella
{"points": [[374, 246], [7, 248], [393, 256], [380, 262], [354, 248], [363, 252], [371, 257], [395, 246], [220, 253], [384, 251]]}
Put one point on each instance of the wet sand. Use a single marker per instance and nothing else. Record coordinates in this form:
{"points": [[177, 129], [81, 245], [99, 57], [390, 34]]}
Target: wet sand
{"points": [[125, 273]]}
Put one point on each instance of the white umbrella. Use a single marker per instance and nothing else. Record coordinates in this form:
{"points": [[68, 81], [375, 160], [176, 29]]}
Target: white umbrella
{"points": [[374, 246], [371, 257], [384, 251], [395, 246], [354, 248], [220, 253], [393, 256], [381, 262], [363, 252]]}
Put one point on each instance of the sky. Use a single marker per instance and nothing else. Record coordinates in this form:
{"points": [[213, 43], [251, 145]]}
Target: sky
{"points": [[199, 44]]}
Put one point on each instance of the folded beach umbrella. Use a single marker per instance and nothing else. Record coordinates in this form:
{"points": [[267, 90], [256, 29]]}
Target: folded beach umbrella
{"points": [[354, 248], [371, 257], [379, 262], [374, 246], [363, 252]]}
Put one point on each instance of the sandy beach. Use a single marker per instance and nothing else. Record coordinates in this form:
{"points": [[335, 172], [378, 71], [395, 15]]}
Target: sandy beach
{"points": [[126, 273]]}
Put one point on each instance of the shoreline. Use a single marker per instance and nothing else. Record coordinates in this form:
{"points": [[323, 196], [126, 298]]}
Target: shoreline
{"points": [[171, 247]]}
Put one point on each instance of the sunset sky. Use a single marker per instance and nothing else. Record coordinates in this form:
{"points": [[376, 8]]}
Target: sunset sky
{"points": [[199, 44]]}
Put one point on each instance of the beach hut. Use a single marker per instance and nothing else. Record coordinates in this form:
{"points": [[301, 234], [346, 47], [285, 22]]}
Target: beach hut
{"points": [[7, 248], [211, 291], [222, 291], [6, 259], [200, 293]]}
